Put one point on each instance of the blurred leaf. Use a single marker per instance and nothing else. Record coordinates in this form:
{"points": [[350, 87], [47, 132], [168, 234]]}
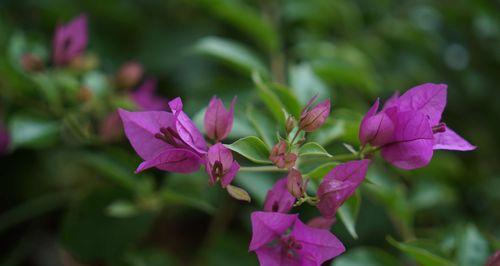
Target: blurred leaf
{"points": [[365, 256], [122, 209], [47, 87], [252, 148], [235, 249], [348, 213], [305, 84], [97, 83], [169, 196], [429, 194], [329, 131], [231, 52], [263, 125], [31, 209], [289, 100], [246, 19], [90, 234], [313, 148], [33, 132], [17, 47], [472, 247], [422, 253], [257, 184], [270, 99], [147, 257]]}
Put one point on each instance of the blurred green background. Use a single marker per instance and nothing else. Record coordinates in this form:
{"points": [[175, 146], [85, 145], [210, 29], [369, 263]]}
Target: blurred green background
{"points": [[67, 198]]}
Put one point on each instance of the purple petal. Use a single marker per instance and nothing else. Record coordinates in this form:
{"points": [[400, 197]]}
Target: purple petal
{"points": [[173, 160], [270, 256], [229, 176], [70, 40], [186, 128], [278, 198], [144, 97], [376, 129], [318, 243], [140, 129], [413, 141], [321, 222], [268, 225], [218, 121], [428, 98], [219, 152], [339, 185], [391, 102], [449, 140]]}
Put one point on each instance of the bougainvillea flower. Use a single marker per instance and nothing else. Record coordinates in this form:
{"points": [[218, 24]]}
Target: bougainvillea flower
{"points": [[167, 141], [278, 198], [70, 40], [220, 165], [339, 184], [218, 121], [282, 239], [295, 184], [4, 139], [281, 157], [409, 127], [146, 99], [313, 118]]}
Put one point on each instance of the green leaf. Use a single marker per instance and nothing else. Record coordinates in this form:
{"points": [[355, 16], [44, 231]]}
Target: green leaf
{"points": [[97, 83], [289, 100], [122, 209], [348, 213], [367, 257], [257, 184], [231, 52], [169, 196], [245, 18], [33, 132], [319, 172], [306, 84], [270, 99], [313, 149], [90, 234], [252, 148], [331, 130], [423, 254], [472, 247], [265, 127]]}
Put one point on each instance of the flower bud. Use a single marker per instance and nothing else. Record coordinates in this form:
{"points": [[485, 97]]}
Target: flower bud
{"points": [[218, 121], [295, 184], [278, 199], [31, 62], [220, 165], [129, 74], [280, 157], [70, 41], [494, 260], [290, 124], [312, 118], [377, 129]]}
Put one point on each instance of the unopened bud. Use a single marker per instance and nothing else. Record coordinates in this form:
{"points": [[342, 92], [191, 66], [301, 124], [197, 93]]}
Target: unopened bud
{"points": [[290, 124], [238, 193], [129, 74], [280, 157], [295, 183], [31, 62], [312, 118]]}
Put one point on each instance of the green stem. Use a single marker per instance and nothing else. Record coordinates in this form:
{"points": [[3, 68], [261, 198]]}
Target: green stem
{"points": [[261, 169], [344, 157]]}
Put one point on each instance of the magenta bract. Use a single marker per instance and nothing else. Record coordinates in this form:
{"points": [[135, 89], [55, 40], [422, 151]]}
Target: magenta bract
{"points": [[409, 127], [70, 40], [313, 118], [218, 121], [282, 239], [220, 165], [339, 184], [278, 198], [167, 141]]}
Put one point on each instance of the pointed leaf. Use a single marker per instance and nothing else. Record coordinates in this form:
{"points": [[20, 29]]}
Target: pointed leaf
{"points": [[313, 148], [423, 256], [252, 148], [348, 213]]}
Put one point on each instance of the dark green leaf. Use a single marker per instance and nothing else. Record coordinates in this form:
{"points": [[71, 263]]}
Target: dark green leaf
{"points": [[263, 125], [306, 84], [348, 213], [34, 132], [472, 247], [422, 255], [313, 148], [366, 257]]}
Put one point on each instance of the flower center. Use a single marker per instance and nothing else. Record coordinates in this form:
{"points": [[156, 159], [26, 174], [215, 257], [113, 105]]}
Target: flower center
{"points": [[439, 128], [217, 169], [290, 246], [170, 136]]}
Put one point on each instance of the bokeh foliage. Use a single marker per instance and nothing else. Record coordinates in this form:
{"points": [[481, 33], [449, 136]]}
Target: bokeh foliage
{"points": [[65, 196]]}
